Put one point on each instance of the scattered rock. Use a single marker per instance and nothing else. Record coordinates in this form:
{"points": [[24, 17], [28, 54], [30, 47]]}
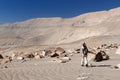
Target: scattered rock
{"points": [[20, 58], [101, 55], [1, 57], [37, 56], [6, 59], [117, 66], [30, 56], [64, 59], [6, 67], [59, 50], [57, 60], [23, 61], [54, 55]]}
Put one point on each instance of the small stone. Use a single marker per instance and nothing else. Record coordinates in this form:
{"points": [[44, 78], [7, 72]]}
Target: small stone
{"points": [[6, 67]]}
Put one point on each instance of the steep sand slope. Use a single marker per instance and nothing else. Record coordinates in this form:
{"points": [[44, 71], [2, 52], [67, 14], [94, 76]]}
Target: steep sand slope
{"points": [[48, 31]]}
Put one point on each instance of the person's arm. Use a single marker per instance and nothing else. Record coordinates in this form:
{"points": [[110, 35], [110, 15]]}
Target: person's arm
{"points": [[82, 50], [91, 52]]}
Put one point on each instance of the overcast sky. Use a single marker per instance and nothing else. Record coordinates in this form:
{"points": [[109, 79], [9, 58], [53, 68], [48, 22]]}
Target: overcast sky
{"points": [[20, 10]]}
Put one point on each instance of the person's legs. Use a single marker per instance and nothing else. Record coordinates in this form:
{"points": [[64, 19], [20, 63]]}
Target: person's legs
{"points": [[86, 61], [82, 61]]}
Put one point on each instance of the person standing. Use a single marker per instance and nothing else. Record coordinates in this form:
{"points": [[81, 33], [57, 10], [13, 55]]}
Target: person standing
{"points": [[84, 61]]}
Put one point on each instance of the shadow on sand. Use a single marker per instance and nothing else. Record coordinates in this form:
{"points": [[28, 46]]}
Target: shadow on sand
{"points": [[101, 65]]}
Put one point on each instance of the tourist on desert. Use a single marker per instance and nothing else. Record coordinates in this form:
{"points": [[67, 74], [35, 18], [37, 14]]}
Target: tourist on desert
{"points": [[84, 61]]}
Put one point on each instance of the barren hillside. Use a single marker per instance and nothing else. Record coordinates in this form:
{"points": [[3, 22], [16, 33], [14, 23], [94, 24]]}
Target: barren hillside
{"points": [[49, 31]]}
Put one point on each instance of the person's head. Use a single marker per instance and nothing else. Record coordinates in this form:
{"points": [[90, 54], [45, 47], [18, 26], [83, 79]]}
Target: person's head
{"points": [[84, 44]]}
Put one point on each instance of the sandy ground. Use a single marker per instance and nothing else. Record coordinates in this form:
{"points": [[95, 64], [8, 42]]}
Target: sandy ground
{"points": [[46, 69]]}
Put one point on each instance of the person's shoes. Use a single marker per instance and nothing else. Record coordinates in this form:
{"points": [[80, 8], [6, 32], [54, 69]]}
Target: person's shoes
{"points": [[86, 65], [82, 65]]}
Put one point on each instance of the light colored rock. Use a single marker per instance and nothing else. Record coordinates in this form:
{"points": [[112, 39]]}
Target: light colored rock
{"points": [[57, 60], [118, 50], [65, 59], [43, 53], [37, 56], [20, 58], [59, 50]]}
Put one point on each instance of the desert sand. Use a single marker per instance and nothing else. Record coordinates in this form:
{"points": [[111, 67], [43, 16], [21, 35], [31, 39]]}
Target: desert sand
{"points": [[47, 69]]}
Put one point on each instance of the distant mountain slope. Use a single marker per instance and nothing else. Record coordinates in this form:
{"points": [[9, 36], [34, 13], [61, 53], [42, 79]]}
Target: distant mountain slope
{"points": [[47, 31]]}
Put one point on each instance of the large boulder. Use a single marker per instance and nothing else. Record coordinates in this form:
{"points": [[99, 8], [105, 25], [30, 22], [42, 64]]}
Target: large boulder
{"points": [[101, 55], [58, 52]]}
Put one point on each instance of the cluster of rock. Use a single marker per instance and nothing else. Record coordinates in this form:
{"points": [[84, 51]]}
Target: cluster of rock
{"points": [[110, 46], [63, 55], [100, 51], [5, 59], [60, 53]]}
